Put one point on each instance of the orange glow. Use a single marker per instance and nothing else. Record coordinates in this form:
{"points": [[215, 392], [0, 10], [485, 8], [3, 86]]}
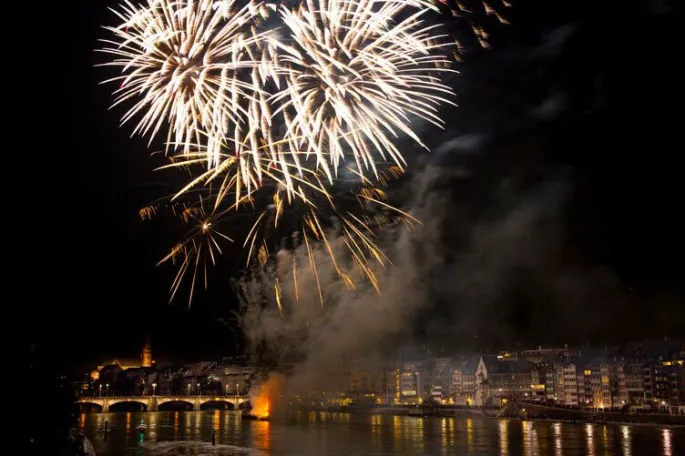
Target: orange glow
{"points": [[261, 406], [266, 395]]}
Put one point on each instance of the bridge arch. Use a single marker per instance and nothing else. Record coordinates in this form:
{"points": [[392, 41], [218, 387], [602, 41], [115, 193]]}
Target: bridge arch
{"points": [[221, 404], [90, 406], [127, 405], [153, 403], [244, 404], [174, 404]]}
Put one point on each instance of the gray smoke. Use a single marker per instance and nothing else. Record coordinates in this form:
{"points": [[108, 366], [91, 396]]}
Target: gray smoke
{"points": [[464, 260], [351, 322]]}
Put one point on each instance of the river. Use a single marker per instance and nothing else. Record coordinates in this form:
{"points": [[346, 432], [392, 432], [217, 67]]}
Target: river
{"points": [[190, 433]]}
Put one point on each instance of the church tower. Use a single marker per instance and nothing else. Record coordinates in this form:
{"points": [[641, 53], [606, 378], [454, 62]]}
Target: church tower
{"points": [[146, 355]]}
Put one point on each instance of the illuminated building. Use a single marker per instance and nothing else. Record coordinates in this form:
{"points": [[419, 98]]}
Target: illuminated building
{"points": [[125, 363], [146, 355], [664, 384]]}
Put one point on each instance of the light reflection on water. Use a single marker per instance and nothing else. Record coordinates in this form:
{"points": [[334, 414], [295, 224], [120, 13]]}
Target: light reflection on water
{"points": [[627, 450], [605, 440], [668, 450], [526, 428], [504, 437], [469, 434], [590, 432], [558, 442], [186, 433]]}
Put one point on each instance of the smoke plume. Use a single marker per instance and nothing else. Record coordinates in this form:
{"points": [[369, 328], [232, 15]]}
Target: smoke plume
{"points": [[490, 265], [452, 277], [351, 323]]}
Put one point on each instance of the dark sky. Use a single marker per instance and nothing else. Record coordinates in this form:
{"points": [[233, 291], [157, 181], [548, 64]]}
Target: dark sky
{"points": [[613, 72]]}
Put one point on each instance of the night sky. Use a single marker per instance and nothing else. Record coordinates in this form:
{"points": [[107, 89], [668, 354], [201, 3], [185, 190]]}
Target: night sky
{"points": [[606, 97]]}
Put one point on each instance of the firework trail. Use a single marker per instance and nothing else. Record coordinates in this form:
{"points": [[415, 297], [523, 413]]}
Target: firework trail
{"points": [[348, 218], [349, 214]]}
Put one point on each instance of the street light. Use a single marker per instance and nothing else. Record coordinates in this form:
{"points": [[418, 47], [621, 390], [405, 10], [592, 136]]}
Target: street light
{"points": [[100, 390], [236, 389], [198, 389], [189, 389], [227, 389], [106, 389], [154, 385]]}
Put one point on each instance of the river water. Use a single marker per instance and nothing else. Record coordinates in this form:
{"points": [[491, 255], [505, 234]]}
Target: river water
{"points": [[190, 433]]}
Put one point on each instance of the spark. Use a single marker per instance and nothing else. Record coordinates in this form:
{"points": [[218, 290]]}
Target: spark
{"points": [[354, 226], [200, 247]]}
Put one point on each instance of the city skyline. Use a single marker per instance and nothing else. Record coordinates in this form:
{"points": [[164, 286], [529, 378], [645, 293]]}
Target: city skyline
{"points": [[146, 356], [647, 375]]}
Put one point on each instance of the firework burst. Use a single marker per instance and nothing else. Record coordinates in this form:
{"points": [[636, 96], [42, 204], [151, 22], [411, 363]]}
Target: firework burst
{"points": [[265, 118], [354, 73], [193, 65]]}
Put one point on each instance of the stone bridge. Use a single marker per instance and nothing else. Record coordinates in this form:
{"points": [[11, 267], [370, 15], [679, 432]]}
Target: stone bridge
{"points": [[152, 403]]}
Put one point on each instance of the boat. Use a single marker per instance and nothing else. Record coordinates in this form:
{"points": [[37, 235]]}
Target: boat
{"points": [[141, 428]]}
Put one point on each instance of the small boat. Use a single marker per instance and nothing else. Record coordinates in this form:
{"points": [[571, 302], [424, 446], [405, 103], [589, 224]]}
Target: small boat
{"points": [[141, 428]]}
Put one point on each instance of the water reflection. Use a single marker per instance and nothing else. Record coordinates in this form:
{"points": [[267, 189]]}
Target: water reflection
{"points": [[176, 420], [444, 443], [189, 433], [666, 435], [542, 439], [264, 434], [127, 429], [418, 435], [504, 437], [215, 420], [152, 426], [558, 445], [397, 432], [469, 434], [605, 440], [526, 427], [376, 429], [451, 431], [101, 420], [447, 437], [589, 437], [625, 431], [535, 441]]}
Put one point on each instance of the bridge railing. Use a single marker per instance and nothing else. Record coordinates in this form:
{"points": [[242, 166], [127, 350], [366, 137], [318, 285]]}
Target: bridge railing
{"points": [[160, 396]]}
